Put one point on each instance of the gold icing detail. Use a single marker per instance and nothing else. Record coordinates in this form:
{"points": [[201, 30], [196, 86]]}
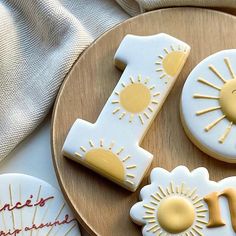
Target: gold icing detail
{"points": [[212, 201], [176, 214], [173, 61], [217, 73], [205, 82], [228, 100], [135, 97], [106, 163]]}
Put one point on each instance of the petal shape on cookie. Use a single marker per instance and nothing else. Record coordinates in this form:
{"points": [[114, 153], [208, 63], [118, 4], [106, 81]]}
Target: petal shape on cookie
{"points": [[181, 202]]}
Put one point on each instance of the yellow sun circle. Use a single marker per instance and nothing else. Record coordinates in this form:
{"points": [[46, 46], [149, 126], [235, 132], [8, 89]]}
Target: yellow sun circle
{"points": [[228, 100], [135, 97], [106, 163], [173, 62], [175, 214]]}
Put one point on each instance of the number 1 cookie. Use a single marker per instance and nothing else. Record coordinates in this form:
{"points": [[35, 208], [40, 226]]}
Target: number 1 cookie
{"points": [[110, 147], [186, 203], [208, 105]]}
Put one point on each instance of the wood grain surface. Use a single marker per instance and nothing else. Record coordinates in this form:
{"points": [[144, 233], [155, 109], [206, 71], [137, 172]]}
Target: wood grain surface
{"points": [[101, 206]]}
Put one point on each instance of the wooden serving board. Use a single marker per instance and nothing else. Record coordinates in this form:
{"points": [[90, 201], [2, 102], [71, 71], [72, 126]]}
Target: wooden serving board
{"points": [[101, 206]]}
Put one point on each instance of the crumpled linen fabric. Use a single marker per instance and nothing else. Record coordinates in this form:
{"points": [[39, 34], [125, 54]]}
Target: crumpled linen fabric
{"points": [[39, 42]]}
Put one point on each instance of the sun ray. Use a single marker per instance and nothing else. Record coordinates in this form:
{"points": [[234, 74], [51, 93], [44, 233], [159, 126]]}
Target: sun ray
{"points": [[154, 203], [78, 155], [151, 221], [162, 191], [139, 78], [120, 151], [126, 158], [115, 102], [130, 176], [159, 195], [122, 115], [131, 167], [162, 76], [116, 93], [197, 231], [91, 143], [155, 197], [153, 227], [166, 51], [198, 113], [151, 88], [131, 79], [217, 73], [116, 110], [149, 207], [141, 119], [70, 229], [161, 57], [214, 123], [148, 217], [123, 85], [205, 96], [154, 102], [225, 135], [159, 70], [172, 187], [146, 115], [156, 94], [202, 221], [101, 143], [111, 145], [82, 149], [228, 64], [192, 192], [203, 81], [129, 182], [158, 62], [150, 109], [172, 48]]}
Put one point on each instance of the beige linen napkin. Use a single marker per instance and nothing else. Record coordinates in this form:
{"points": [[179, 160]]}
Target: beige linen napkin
{"points": [[40, 40]]}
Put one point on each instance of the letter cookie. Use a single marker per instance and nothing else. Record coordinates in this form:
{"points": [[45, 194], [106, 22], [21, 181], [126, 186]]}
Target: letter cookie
{"points": [[208, 106], [186, 203], [110, 147]]}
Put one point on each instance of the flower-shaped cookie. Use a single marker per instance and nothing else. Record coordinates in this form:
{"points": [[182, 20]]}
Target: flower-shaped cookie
{"points": [[186, 203]]}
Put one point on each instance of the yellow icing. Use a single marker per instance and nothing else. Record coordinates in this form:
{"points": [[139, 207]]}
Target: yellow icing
{"points": [[106, 163], [135, 98], [212, 201], [228, 100], [175, 214], [173, 62]]}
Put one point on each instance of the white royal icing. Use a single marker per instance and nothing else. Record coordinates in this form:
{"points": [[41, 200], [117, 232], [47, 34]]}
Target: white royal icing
{"points": [[190, 189], [30, 206], [151, 65], [214, 132]]}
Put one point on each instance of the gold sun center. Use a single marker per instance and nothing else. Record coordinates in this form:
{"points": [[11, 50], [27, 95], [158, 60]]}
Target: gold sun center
{"points": [[175, 214], [106, 163], [135, 97], [173, 62], [228, 100]]}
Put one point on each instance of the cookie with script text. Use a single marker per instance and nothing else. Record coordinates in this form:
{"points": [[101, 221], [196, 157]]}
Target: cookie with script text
{"points": [[30, 206], [208, 105], [186, 203], [111, 146]]}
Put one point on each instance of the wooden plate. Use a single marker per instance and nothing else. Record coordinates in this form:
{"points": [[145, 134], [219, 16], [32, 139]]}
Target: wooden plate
{"points": [[101, 206]]}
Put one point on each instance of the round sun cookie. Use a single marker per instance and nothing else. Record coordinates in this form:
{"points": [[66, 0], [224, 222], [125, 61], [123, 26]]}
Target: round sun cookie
{"points": [[208, 105], [30, 206]]}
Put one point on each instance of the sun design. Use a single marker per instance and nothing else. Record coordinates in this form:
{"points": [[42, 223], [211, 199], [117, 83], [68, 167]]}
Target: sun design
{"points": [[175, 210], [108, 162], [226, 99], [171, 62], [136, 99]]}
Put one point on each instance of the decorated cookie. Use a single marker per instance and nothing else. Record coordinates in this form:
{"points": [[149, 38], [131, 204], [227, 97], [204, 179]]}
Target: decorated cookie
{"points": [[31, 207], [110, 147], [208, 105], [186, 203]]}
